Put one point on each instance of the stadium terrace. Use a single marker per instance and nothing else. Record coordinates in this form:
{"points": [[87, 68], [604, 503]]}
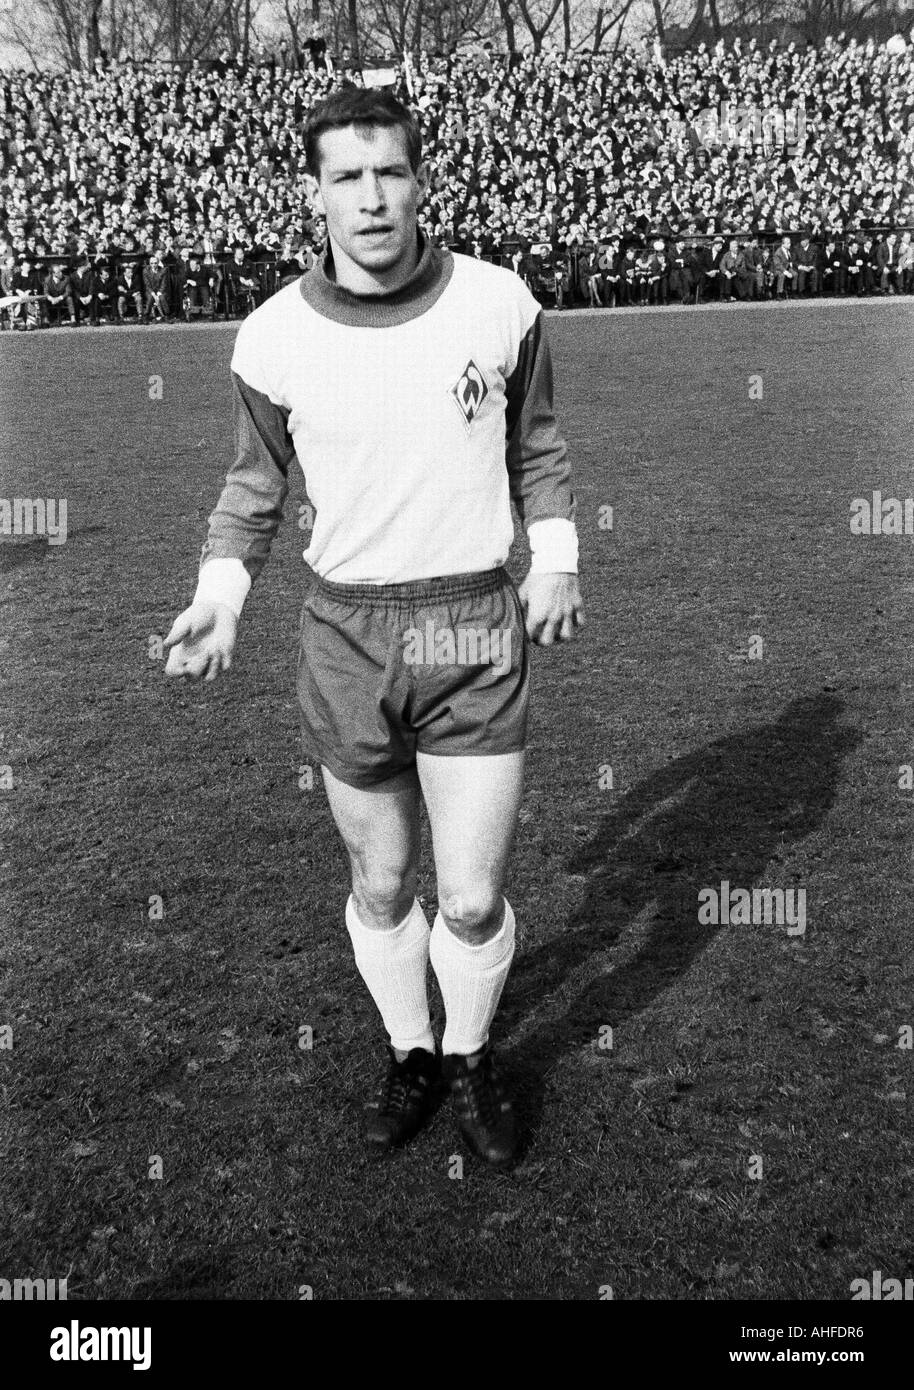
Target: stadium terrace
{"points": [[153, 194]]}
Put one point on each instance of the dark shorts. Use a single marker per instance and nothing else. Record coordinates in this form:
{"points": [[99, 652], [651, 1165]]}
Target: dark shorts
{"points": [[437, 666]]}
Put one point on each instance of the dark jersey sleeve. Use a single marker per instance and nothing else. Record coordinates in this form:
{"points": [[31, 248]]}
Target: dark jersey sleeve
{"points": [[247, 515], [536, 454]]}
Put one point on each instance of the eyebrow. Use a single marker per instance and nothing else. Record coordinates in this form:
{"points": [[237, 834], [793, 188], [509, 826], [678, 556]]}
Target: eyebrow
{"points": [[396, 166]]}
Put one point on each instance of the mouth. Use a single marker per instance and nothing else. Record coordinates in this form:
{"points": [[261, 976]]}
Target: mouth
{"points": [[378, 232]]}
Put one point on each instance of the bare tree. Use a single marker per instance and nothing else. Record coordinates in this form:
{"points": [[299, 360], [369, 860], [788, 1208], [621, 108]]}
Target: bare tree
{"points": [[354, 32], [538, 31]]}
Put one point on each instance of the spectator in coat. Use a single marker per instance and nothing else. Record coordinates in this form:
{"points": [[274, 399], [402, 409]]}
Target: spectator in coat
{"points": [[128, 284], [871, 267], [59, 294], [154, 289], [83, 280], [680, 278], [887, 262], [732, 271], [240, 283], [628, 283], [701, 267], [608, 262], [750, 281], [26, 282], [782, 266], [855, 262], [105, 290], [808, 268], [195, 288], [906, 264], [834, 269], [658, 274]]}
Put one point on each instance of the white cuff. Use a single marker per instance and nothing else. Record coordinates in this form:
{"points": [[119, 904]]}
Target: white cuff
{"points": [[553, 546], [223, 581]]}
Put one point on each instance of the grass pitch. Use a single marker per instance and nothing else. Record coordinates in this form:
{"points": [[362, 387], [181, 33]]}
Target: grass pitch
{"points": [[748, 1133]]}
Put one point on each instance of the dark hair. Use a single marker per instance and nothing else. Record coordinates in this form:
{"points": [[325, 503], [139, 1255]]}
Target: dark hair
{"points": [[362, 107]]}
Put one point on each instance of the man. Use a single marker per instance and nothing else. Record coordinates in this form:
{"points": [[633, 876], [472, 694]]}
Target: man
{"points": [[751, 283], [834, 269], [609, 260], [83, 280], [782, 268], [699, 266], [658, 274], [681, 273], [887, 263], [732, 272], [155, 286], [105, 290], [642, 274], [627, 269], [59, 294], [241, 283], [195, 288], [855, 268], [415, 386], [713, 277], [27, 284], [906, 264], [809, 268], [128, 287], [561, 276], [870, 271]]}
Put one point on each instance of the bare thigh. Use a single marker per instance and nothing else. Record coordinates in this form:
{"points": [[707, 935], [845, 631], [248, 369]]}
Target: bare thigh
{"points": [[473, 804], [380, 829]]}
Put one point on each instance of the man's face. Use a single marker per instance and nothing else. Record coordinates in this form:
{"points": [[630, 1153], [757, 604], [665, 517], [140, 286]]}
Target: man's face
{"points": [[369, 195]]}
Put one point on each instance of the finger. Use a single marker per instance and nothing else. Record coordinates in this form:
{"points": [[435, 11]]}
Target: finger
{"points": [[547, 633], [534, 628], [180, 628]]}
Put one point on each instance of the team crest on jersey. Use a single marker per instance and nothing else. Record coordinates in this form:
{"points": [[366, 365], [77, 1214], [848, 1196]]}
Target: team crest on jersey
{"points": [[470, 392]]}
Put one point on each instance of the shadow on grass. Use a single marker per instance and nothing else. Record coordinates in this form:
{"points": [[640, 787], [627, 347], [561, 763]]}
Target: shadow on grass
{"points": [[724, 812]]}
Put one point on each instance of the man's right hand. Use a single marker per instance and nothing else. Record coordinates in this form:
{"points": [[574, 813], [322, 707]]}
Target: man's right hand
{"points": [[202, 641]]}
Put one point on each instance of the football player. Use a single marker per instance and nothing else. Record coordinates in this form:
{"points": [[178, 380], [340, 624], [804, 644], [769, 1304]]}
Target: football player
{"points": [[414, 385]]}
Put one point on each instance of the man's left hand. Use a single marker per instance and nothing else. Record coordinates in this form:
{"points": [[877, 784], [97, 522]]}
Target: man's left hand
{"points": [[553, 607]]}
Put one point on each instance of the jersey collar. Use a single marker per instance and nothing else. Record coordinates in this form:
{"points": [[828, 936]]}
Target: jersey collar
{"points": [[426, 284]]}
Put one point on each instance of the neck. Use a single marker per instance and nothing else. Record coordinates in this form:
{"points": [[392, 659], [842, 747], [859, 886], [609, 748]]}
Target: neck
{"points": [[349, 275]]}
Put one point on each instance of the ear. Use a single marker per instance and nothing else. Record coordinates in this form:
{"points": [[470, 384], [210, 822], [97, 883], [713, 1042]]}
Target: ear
{"points": [[422, 178], [312, 188]]}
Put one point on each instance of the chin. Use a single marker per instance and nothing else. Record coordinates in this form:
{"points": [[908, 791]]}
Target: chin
{"points": [[377, 258]]}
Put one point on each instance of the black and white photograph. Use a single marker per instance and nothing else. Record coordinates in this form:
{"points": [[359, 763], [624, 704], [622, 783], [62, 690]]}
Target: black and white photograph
{"points": [[457, 722]]}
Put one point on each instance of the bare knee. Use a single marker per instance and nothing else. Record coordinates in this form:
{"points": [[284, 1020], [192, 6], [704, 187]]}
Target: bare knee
{"points": [[383, 894], [473, 915]]}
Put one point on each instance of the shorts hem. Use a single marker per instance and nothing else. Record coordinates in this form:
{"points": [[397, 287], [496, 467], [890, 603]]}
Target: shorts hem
{"points": [[354, 777]]}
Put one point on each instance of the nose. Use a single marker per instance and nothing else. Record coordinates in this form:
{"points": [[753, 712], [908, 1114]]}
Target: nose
{"points": [[372, 192]]}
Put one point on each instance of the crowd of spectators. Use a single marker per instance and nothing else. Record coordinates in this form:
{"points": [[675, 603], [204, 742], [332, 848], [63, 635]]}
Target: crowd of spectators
{"points": [[156, 191]]}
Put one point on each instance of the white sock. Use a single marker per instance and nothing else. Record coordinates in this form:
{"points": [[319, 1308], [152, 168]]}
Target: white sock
{"points": [[471, 980], [393, 965]]}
